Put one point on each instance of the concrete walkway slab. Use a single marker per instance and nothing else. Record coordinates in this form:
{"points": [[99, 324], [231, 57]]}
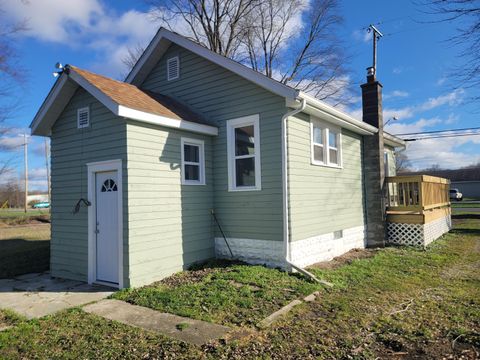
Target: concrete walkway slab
{"points": [[37, 295], [192, 331]]}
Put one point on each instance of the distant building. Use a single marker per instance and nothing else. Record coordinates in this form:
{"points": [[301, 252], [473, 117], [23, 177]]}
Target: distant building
{"points": [[37, 198]]}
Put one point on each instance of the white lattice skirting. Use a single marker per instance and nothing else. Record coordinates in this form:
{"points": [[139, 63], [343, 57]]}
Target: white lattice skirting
{"points": [[418, 234]]}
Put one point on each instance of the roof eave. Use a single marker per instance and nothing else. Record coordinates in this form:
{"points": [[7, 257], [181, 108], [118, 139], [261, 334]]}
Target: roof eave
{"points": [[393, 140], [329, 113], [47, 114]]}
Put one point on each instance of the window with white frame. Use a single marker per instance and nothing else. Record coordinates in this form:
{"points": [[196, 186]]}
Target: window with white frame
{"points": [[326, 144], [243, 142], [193, 162]]}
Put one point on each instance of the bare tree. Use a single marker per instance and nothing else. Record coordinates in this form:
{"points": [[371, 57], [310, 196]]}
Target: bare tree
{"points": [[402, 163], [292, 41], [216, 24], [465, 14], [10, 74], [308, 58]]}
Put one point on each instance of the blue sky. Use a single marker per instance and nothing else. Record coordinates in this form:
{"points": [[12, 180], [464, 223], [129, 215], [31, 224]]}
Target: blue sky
{"points": [[414, 62]]}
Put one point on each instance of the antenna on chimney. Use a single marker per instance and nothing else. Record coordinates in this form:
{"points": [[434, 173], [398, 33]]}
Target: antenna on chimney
{"points": [[376, 35]]}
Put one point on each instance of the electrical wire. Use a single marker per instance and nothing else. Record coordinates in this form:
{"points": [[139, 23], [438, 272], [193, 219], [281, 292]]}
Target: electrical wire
{"points": [[439, 137], [438, 131]]}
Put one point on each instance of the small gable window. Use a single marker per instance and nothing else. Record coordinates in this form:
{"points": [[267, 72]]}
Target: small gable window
{"points": [[109, 185], [173, 68], [326, 144], [193, 162], [83, 117]]}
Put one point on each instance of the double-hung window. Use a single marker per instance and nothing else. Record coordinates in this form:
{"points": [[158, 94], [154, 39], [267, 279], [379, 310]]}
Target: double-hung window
{"points": [[193, 162], [326, 144], [243, 151]]}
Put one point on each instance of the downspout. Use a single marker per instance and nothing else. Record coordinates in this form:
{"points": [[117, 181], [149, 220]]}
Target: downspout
{"points": [[286, 230]]}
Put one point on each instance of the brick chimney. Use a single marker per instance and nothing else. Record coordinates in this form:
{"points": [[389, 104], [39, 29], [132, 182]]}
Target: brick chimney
{"points": [[373, 158]]}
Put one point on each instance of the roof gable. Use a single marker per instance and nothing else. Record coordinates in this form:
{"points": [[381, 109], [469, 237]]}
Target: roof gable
{"points": [[164, 38], [122, 99]]}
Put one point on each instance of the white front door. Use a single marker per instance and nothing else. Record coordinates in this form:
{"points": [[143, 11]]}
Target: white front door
{"points": [[106, 226]]}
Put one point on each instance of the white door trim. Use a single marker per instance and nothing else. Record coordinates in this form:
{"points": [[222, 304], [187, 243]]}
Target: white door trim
{"points": [[92, 168]]}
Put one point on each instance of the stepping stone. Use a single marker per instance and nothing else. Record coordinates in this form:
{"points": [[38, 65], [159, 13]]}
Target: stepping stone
{"points": [[189, 330], [269, 320]]}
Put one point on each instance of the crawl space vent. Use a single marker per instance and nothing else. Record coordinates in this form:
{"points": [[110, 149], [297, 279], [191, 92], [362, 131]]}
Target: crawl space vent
{"points": [[83, 117], [173, 68]]}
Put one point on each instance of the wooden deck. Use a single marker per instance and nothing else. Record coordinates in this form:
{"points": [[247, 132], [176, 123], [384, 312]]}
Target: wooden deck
{"points": [[417, 199]]}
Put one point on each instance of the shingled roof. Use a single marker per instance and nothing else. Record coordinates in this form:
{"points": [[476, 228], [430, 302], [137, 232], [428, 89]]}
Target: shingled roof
{"points": [[134, 98]]}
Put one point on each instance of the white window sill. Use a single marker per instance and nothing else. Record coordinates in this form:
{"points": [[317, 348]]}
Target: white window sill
{"points": [[326, 165], [193, 183], [244, 189]]}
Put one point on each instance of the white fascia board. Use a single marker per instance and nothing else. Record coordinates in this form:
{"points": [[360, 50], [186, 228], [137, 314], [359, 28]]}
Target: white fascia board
{"points": [[165, 121], [329, 113], [393, 141], [47, 104], [229, 64]]}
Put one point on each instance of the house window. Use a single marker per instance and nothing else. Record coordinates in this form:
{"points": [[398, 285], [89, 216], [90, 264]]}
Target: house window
{"points": [[173, 68], [83, 117], [326, 143], [243, 142], [317, 141], [333, 147], [193, 162]]}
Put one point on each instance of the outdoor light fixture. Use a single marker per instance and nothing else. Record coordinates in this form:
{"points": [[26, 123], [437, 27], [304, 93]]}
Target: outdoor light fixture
{"points": [[393, 118], [60, 68]]}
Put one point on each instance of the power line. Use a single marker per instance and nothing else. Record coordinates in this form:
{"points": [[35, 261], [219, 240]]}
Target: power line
{"points": [[438, 131], [440, 137]]}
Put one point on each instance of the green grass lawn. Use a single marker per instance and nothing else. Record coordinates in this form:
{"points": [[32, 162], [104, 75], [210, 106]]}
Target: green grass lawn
{"points": [[19, 213], [24, 249], [465, 204], [232, 295], [401, 303]]}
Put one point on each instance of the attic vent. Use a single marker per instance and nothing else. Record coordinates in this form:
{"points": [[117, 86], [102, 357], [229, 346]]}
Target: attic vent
{"points": [[83, 117], [173, 68]]}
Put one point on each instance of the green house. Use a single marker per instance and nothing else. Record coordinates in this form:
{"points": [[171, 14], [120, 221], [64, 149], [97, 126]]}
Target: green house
{"points": [[145, 172]]}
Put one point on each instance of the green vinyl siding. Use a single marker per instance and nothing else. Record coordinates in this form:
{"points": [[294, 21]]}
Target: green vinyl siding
{"points": [[170, 225], [71, 150], [220, 95], [323, 199]]}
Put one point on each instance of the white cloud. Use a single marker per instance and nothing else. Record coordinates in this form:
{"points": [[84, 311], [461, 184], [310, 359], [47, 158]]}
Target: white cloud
{"points": [[397, 70], [441, 81], [396, 94], [86, 23], [445, 152], [362, 35], [452, 99], [420, 125]]}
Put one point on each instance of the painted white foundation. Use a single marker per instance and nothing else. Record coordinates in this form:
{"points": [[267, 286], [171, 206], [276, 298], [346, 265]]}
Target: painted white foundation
{"points": [[303, 252], [325, 247], [252, 251], [418, 234]]}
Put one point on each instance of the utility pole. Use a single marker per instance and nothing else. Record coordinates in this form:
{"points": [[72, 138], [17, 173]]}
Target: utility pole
{"points": [[376, 35], [48, 170], [25, 154]]}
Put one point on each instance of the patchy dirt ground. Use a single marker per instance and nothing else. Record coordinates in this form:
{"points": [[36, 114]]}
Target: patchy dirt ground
{"points": [[345, 259]]}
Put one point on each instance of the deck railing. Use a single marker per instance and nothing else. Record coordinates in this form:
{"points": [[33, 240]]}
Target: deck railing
{"points": [[416, 193]]}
